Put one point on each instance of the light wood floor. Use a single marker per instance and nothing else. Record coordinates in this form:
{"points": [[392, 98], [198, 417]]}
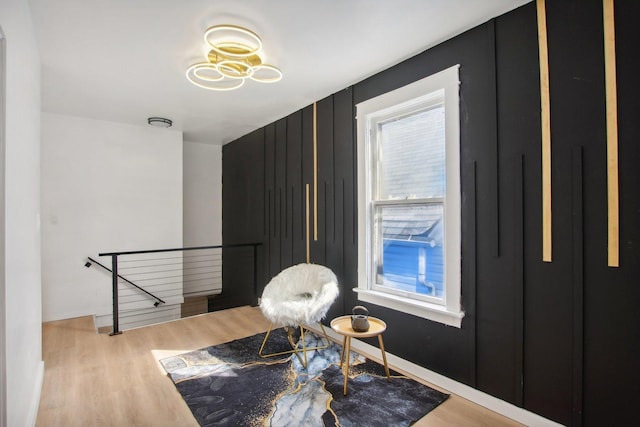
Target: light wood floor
{"points": [[97, 380]]}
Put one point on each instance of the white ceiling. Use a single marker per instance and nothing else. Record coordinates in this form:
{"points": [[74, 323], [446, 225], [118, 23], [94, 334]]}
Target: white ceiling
{"points": [[125, 60]]}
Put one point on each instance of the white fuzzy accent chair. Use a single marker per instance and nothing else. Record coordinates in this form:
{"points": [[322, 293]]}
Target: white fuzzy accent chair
{"points": [[299, 295]]}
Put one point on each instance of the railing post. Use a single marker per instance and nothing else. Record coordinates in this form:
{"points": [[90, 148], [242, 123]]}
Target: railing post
{"points": [[114, 281]]}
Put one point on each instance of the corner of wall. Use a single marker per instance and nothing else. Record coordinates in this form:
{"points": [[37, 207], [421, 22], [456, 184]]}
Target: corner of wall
{"points": [[37, 392]]}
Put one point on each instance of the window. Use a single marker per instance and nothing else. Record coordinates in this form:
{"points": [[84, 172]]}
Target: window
{"points": [[409, 199]]}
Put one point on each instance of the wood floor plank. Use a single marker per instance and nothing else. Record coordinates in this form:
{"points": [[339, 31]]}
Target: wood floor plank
{"points": [[98, 380]]}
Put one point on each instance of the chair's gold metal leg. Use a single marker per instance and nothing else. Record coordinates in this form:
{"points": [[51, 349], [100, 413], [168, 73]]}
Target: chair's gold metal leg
{"points": [[292, 343], [295, 347], [304, 346], [264, 341]]}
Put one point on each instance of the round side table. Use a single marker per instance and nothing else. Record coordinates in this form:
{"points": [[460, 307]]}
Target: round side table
{"points": [[342, 325]]}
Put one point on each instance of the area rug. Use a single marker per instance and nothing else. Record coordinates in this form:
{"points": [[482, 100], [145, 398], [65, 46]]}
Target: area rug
{"points": [[231, 385]]}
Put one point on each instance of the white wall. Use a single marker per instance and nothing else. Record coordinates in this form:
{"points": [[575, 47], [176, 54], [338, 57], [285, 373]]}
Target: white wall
{"points": [[21, 318], [105, 187], [202, 194], [202, 207]]}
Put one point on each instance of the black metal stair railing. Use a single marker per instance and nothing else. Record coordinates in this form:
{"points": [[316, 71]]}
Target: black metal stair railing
{"points": [[93, 261], [160, 274]]}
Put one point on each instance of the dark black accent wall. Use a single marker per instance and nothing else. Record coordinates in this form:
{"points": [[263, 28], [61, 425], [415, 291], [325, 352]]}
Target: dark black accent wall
{"points": [[560, 339]]}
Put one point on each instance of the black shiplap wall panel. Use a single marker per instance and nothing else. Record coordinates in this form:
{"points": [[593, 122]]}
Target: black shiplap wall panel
{"points": [[307, 173], [324, 209], [482, 267], [282, 213], [469, 253], [233, 205], [272, 257], [499, 289], [295, 186], [492, 145], [518, 278], [578, 285], [611, 295], [577, 117], [345, 183], [243, 179], [548, 336], [242, 216]]}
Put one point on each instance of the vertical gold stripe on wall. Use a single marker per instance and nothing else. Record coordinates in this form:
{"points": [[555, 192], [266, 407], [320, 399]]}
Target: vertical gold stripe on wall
{"points": [[613, 226], [315, 172], [307, 239], [545, 115]]}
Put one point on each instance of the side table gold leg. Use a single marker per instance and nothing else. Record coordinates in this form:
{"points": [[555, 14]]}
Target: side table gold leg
{"points": [[384, 357], [347, 353], [344, 344]]}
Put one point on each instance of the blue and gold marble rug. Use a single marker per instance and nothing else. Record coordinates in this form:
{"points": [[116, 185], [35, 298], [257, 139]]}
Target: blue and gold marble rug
{"points": [[230, 385]]}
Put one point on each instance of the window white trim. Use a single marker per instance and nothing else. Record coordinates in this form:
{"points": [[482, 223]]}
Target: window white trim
{"points": [[450, 313], [427, 310]]}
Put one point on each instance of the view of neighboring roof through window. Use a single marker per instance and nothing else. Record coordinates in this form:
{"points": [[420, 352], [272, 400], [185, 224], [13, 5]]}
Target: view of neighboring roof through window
{"points": [[411, 166]]}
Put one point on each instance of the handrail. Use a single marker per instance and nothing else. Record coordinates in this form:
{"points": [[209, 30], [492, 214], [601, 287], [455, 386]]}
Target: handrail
{"points": [[115, 276], [158, 300]]}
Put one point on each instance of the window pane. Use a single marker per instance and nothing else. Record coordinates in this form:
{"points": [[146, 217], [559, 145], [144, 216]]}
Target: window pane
{"points": [[409, 244], [411, 161]]}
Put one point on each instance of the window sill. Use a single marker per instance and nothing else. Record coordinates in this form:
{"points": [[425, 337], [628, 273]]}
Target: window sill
{"points": [[426, 310]]}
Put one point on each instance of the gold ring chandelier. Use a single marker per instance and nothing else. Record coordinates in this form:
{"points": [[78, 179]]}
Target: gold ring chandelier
{"points": [[234, 57]]}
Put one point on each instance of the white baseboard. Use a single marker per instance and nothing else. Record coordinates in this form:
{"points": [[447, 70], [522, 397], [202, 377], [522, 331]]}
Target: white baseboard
{"points": [[483, 399], [37, 391]]}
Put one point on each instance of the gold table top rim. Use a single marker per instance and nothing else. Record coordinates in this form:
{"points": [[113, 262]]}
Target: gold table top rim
{"points": [[342, 325]]}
